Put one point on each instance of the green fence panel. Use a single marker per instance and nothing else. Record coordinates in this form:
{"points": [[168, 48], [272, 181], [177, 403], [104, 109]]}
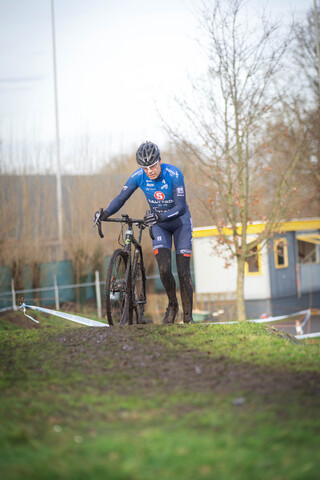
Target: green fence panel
{"points": [[103, 275], [64, 274], [90, 291], [27, 297], [5, 286]]}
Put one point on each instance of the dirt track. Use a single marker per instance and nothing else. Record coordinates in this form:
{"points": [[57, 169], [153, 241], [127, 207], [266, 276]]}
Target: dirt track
{"points": [[157, 367], [153, 366]]}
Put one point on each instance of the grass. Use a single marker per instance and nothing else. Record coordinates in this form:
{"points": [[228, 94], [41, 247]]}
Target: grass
{"points": [[253, 341], [73, 408]]}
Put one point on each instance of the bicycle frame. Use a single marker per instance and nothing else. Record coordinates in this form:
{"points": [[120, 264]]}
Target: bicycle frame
{"points": [[130, 239], [131, 303]]}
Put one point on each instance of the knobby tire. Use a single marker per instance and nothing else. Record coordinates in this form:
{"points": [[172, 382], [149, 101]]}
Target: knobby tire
{"points": [[139, 289], [115, 288]]}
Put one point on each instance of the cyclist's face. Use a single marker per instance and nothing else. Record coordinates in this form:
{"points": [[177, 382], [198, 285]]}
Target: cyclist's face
{"points": [[154, 171]]}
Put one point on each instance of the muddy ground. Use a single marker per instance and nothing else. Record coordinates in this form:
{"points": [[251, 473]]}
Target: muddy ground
{"points": [[154, 366]]}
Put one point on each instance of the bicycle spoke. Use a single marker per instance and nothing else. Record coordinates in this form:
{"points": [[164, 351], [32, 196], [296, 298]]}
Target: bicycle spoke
{"points": [[139, 293], [116, 287]]}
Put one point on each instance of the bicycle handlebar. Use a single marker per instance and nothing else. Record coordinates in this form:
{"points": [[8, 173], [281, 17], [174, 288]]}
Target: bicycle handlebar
{"points": [[125, 219]]}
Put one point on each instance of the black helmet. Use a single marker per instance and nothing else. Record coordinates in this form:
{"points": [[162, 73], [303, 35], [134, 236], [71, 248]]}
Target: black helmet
{"points": [[148, 154]]}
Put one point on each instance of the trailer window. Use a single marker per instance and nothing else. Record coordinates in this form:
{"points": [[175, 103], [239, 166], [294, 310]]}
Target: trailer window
{"points": [[253, 263], [308, 252], [280, 249]]}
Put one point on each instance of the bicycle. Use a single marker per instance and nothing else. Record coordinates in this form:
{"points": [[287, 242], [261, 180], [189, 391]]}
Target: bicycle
{"points": [[125, 287]]}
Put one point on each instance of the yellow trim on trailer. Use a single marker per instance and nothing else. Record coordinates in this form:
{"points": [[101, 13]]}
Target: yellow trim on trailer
{"points": [[254, 228], [310, 238]]}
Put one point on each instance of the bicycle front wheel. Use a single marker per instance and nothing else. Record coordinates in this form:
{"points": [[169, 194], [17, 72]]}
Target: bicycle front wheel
{"points": [[115, 291], [139, 289]]}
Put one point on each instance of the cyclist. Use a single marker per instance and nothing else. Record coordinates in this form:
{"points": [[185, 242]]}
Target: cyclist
{"points": [[169, 216]]}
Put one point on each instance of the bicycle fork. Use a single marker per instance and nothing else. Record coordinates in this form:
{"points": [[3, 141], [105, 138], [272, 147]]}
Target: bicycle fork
{"points": [[127, 311], [128, 308]]}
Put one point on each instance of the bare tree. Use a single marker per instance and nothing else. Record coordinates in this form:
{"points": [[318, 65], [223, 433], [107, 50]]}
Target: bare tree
{"points": [[305, 50], [27, 226], [281, 139], [307, 63], [223, 131]]}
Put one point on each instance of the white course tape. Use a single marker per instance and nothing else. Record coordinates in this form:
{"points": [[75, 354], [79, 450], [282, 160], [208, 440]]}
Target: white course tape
{"points": [[282, 317], [67, 316], [309, 335], [307, 314], [23, 307], [266, 320]]}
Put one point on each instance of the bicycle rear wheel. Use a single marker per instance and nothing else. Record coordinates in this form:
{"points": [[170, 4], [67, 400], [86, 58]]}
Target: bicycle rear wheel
{"points": [[139, 289], [115, 290]]}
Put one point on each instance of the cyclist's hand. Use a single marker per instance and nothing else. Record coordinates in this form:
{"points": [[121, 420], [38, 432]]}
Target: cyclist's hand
{"points": [[104, 215], [101, 216], [151, 219]]}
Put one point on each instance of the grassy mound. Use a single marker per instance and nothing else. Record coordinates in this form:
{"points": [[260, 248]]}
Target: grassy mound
{"points": [[163, 402]]}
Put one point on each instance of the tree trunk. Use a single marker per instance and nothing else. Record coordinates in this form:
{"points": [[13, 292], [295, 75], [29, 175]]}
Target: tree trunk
{"points": [[36, 281], [241, 312]]}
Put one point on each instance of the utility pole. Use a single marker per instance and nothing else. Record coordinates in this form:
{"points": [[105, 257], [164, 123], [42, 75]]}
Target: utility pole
{"points": [[316, 26], [58, 171]]}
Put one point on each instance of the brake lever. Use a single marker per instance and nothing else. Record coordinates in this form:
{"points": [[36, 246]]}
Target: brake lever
{"points": [[97, 221]]}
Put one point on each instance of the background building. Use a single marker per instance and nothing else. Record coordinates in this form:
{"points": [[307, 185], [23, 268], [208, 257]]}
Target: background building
{"points": [[280, 278]]}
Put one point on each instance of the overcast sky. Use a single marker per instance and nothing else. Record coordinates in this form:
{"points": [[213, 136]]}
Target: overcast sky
{"points": [[118, 61]]}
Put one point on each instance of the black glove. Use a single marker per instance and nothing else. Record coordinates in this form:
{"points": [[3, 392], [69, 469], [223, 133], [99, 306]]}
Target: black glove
{"points": [[104, 215], [151, 219]]}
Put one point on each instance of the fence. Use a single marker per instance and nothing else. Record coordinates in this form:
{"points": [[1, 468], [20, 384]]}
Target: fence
{"points": [[58, 286], [55, 294]]}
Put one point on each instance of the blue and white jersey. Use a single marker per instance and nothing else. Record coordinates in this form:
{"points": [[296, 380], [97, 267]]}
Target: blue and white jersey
{"points": [[165, 195]]}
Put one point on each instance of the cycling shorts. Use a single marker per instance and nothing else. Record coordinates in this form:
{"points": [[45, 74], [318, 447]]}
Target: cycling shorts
{"points": [[180, 229]]}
